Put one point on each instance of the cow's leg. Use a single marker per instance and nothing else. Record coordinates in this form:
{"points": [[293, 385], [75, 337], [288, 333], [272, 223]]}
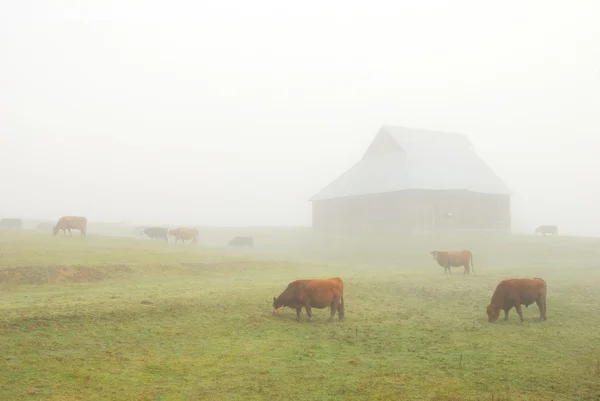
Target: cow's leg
{"points": [[70, 233], [331, 311], [519, 309], [335, 304], [308, 312], [541, 303], [298, 311], [506, 314]]}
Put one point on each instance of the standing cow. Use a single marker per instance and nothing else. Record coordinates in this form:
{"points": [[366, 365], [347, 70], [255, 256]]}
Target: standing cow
{"points": [[184, 234], [68, 223], [547, 229], [157, 233], [516, 292], [242, 241], [318, 293], [448, 259]]}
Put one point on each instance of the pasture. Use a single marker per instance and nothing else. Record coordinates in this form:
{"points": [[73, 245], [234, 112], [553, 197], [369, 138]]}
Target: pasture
{"points": [[107, 318]]}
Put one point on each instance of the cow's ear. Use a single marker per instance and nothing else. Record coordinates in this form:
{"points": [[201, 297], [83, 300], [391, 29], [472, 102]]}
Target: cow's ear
{"points": [[274, 299]]}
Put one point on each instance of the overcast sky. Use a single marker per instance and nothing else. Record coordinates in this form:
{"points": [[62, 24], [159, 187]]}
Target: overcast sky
{"points": [[236, 112]]}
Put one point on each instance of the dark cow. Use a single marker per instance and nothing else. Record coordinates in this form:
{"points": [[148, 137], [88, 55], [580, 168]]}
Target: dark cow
{"points": [[317, 293], [547, 229], [242, 241], [184, 234], [454, 259], [157, 233], [68, 223], [516, 292]]}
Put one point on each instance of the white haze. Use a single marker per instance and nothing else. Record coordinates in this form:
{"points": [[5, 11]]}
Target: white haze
{"points": [[236, 112]]}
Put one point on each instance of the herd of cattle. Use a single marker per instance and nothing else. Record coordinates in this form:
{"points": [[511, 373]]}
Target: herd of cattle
{"points": [[68, 223], [322, 293]]}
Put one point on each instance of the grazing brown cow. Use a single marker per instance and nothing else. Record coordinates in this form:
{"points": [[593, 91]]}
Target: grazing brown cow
{"points": [[68, 223], [547, 229], [454, 259], [317, 293], [516, 292], [184, 234]]}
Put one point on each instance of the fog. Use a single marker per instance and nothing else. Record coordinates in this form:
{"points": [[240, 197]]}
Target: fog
{"points": [[235, 112]]}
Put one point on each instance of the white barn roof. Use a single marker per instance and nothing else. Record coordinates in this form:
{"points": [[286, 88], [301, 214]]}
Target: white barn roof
{"points": [[406, 158]]}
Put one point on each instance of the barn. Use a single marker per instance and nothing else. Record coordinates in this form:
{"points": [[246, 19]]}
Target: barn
{"points": [[415, 180]]}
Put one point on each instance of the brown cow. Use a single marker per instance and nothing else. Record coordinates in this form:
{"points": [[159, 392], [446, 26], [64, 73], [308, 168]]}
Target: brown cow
{"points": [[67, 223], [184, 234], [454, 259], [547, 229], [516, 292], [317, 293]]}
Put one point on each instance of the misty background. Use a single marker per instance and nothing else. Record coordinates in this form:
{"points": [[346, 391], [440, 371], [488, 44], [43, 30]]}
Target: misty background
{"points": [[235, 113]]}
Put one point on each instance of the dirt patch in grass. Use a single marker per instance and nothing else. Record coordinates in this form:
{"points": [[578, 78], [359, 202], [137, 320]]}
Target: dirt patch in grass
{"points": [[50, 275]]}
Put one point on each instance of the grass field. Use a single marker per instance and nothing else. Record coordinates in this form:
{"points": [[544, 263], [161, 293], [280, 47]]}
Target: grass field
{"points": [[127, 319]]}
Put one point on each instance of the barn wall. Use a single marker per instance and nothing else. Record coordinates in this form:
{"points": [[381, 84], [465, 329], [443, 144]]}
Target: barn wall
{"points": [[414, 211]]}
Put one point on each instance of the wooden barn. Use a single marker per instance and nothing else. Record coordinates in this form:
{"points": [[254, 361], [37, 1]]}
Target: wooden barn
{"points": [[415, 180]]}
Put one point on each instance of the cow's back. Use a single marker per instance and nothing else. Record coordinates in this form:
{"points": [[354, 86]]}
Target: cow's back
{"points": [[524, 287], [184, 232], [546, 229], [334, 285], [76, 222], [155, 232]]}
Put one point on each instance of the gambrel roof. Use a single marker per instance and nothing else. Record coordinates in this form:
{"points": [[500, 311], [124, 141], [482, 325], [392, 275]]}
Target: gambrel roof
{"points": [[405, 158]]}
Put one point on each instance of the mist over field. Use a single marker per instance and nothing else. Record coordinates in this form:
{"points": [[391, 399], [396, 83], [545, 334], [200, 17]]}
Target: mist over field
{"points": [[235, 113], [312, 200]]}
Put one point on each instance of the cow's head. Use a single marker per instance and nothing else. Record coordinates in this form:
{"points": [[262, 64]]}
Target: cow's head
{"points": [[434, 254], [277, 306], [492, 313], [55, 229]]}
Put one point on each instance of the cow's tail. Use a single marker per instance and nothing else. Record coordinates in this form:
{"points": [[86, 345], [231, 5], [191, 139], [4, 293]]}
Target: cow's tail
{"points": [[341, 308], [473, 265]]}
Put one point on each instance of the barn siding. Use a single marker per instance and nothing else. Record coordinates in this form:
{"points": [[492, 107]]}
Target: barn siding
{"points": [[414, 210]]}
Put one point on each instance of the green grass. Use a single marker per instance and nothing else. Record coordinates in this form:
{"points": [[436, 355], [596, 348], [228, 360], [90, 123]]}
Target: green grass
{"points": [[126, 319]]}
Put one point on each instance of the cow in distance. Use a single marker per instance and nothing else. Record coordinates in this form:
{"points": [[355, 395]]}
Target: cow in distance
{"points": [[68, 223], [157, 233], [242, 241], [547, 229], [448, 259], [184, 234]]}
